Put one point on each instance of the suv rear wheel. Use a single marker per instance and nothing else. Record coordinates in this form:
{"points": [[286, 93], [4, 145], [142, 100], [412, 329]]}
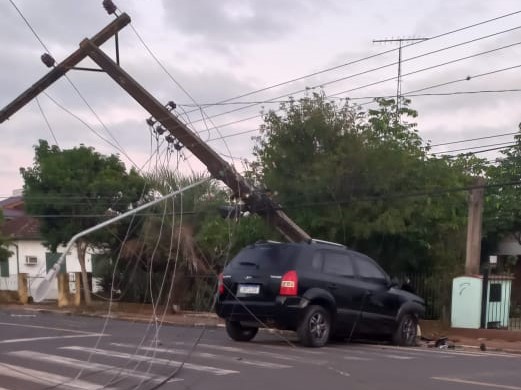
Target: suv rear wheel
{"points": [[406, 331], [314, 327], [240, 333]]}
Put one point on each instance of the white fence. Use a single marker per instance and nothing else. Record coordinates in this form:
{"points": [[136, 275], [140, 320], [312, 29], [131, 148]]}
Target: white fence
{"points": [[9, 283]]}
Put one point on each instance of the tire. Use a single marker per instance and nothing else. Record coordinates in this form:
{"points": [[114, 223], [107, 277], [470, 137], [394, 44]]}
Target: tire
{"points": [[407, 331], [238, 332], [314, 327]]}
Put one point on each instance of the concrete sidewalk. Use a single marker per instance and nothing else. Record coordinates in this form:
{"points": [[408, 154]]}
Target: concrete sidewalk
{"points": [[474, 339]]}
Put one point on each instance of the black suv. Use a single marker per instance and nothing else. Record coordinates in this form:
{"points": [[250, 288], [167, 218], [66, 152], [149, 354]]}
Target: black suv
{"points": [[318, 289]]}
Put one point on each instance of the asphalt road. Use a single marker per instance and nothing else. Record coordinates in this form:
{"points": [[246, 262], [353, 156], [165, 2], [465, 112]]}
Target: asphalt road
{"points": [[53, 351]]}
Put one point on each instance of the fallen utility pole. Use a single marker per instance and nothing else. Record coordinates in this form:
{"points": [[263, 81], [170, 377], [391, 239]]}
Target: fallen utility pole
{"points": [[255, 200]]}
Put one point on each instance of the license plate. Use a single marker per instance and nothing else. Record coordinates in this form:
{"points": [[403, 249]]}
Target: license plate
{"points": [[249, 289]]}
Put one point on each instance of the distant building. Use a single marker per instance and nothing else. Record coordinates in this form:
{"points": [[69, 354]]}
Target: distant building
{"points": [[29, 254]]}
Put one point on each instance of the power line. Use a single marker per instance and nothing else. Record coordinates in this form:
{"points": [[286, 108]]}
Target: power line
{"points": [[366, 58], [119, 147], [79, 119], [406, 94], [380, 68], [30, 27], [475, 147], [173, 79], [467, 78], [400, 195], [430, 67], [258, 102], [46, 121], [412, 194], [475, 139], [485, 150], [321, 85], [75, 88]]}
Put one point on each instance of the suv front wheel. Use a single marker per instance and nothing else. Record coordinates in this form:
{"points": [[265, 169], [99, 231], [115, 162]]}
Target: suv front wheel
{"points": [[314, 327], [240, 333], [406, 331]]}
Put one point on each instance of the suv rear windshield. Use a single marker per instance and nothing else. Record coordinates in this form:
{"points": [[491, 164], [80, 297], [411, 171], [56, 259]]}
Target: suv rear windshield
{"points": [[271, 257]]}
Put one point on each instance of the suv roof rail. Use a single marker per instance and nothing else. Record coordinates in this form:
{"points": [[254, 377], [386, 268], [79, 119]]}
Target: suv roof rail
{"points": [[267, 242], [315, 241]]}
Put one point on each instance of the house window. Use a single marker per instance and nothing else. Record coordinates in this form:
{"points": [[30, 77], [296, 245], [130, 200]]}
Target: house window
{"points": [[495, 292], [4, 268], [51, 258]]}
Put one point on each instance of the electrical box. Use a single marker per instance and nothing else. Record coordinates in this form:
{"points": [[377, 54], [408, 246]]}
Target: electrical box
{"points": [[466, 302]]}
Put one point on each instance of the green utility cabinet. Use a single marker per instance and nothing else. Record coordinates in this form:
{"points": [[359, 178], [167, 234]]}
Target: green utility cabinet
{"points": [[469, 310], [466, 302]]}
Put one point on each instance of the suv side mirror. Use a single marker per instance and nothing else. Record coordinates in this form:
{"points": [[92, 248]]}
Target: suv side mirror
{"points": [[394, 282]]}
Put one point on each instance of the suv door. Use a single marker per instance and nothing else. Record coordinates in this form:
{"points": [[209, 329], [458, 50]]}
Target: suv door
{"points": [[339, 278], [381, 305]]}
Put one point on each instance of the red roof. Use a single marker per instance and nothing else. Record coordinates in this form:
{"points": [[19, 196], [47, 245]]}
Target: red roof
{"points": [[12, 203], [22, 228]]}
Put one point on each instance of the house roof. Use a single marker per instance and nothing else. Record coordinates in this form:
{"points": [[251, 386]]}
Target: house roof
{"points": [[13, 202], [22, 228], [12, 213]]}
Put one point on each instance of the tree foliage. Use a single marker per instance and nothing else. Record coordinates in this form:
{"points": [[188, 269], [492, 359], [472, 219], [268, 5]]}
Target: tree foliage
{"points": [[365, 179], [74, 189], [502, 214]]}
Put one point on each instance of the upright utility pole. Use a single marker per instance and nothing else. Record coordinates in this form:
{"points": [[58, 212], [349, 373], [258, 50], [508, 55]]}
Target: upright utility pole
{"points": [[474, 227], [255, 200], [400, 42]]}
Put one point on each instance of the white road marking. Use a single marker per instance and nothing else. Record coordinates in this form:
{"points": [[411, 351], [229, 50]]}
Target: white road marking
{"points": [[293, 349], [397, 357], [343, 373], [51, 338], [437, 351], [476, 383], [205, 355], [148, 359], [356, 358], [372, 353], [75, 363], [44, 378], [45, 327], [256, 352]]}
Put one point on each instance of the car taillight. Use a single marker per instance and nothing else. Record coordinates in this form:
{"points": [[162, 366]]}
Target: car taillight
{"points": [[289, 284], [220, 286]]}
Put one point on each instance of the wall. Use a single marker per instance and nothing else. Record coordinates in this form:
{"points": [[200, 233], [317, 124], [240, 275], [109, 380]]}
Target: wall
{"points": [[509, 246], [36, 272]]}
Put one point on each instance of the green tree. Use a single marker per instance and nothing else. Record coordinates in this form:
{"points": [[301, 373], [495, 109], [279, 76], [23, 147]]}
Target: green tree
{"points": [[75, 189], [153, 265], [502, 212], [365, 179]]}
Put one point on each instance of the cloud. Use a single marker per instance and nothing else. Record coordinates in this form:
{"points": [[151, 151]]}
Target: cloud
{"points": [[239, 21]]}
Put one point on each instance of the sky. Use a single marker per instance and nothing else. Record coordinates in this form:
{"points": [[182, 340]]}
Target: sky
{"points": [[210, 51]]}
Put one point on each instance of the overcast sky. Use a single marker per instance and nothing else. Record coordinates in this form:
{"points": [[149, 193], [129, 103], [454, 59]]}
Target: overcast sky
{"points": [[220, 49]]}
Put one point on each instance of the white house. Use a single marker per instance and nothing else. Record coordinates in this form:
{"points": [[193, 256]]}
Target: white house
{"points": [[29, 255]]}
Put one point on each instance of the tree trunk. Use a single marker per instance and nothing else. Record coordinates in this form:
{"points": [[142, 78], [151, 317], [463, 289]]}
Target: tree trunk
{"points": [[81, 246]]}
